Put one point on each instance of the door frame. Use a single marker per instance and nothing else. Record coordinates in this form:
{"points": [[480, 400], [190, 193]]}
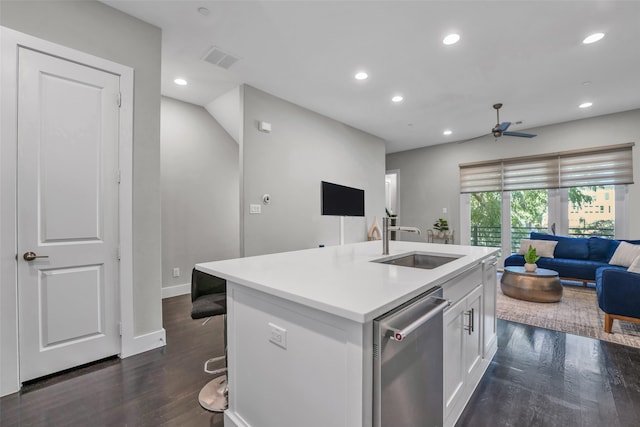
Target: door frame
{"points": [[395, 172], [11, 41]]}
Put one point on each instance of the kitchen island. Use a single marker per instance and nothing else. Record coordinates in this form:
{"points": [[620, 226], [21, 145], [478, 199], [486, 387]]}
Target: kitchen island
{"points": [[300, 329]]}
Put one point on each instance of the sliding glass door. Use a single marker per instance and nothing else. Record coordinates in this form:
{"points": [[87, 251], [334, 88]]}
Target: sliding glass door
{"points": [[529, 212], [502, 219], [592, 211]]}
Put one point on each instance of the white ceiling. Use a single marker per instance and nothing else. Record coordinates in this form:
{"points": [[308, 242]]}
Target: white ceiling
{"points": [[526, 54]]}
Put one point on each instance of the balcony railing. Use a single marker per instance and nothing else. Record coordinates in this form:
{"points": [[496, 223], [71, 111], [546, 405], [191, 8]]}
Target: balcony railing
{"points": [[492, 236]]}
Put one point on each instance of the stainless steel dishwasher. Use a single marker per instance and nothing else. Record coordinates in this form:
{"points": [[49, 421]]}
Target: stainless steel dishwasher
{"points": [[407, 363]]}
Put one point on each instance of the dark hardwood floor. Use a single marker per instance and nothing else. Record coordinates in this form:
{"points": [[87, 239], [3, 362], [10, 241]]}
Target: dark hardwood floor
{"points": [[156, 388], [547, 378], [538, 378]]}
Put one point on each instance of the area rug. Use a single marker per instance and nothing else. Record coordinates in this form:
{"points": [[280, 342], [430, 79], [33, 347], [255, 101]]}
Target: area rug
{"points": [[577, 313]]}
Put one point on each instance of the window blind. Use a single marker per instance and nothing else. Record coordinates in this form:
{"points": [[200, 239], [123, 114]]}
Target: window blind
{"points": [[599, 168], [482, 178], [535, 174], [580, 168]]}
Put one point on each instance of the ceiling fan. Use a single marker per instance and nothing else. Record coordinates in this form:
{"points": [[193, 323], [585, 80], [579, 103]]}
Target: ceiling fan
{"points": [[501, 128]]}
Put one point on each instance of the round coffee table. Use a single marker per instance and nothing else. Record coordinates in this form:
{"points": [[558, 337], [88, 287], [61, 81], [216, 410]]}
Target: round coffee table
{"points": [[541, 285]]}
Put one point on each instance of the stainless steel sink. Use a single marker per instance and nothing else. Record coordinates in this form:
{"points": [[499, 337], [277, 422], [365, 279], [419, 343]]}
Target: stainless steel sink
{"points": [[418, 260]]}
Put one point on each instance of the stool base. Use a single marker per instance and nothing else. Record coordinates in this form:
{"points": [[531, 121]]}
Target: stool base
{"points": [[213, 396]]}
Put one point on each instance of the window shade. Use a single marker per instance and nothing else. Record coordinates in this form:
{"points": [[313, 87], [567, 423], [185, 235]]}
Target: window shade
{"points": [[590, 167], [530, 175], [481, 179], [603, 168]]}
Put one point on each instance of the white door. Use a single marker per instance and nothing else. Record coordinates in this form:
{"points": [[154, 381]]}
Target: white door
{"points": [[67, 213]]}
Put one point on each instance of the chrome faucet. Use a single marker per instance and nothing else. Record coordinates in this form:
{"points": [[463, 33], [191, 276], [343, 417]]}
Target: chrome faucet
{"points": [[386, 229]]}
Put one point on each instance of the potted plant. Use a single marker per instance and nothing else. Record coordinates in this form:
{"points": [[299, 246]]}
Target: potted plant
{"points": [[530, 259], [442, 225]]}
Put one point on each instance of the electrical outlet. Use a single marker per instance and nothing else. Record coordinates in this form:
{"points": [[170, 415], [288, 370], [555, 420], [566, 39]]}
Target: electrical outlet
{"points": [[176, 271], [255, 209], [278, 335]]}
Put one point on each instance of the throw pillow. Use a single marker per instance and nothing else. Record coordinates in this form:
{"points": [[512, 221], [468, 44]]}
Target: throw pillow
{"points": [[543, 248], [635, 265], [625, 254]]}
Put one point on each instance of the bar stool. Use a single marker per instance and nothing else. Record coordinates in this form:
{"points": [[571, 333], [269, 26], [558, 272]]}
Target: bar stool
{"points": [[208, 299]]}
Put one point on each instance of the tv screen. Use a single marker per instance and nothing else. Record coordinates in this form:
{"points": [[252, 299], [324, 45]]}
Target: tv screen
{"points": [[340, 200]]}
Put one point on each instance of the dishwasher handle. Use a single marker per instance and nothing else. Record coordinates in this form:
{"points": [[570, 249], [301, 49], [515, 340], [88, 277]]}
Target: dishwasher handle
{"points": [[400, 334]]}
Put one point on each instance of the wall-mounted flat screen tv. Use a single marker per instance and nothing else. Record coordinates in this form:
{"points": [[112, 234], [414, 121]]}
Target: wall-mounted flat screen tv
{"points": [[339, 200]]}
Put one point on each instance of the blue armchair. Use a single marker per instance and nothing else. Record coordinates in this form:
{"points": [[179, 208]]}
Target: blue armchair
{"points": [[618, 295]]}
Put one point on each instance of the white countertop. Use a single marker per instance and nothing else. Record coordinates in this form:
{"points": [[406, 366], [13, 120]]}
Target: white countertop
{"points": [[341, 280]]}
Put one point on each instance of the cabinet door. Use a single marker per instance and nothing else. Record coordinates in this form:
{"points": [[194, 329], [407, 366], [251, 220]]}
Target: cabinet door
{"points": [[489, 327], [473, 335], [454, 372]]}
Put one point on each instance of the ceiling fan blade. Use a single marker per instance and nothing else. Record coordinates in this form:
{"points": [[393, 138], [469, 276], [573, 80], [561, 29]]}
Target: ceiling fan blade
{"points": [[504, 126], [520, 134]]}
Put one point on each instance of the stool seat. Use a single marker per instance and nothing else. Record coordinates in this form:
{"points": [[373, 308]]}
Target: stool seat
{"points": [[209, 305], [208, 299]]}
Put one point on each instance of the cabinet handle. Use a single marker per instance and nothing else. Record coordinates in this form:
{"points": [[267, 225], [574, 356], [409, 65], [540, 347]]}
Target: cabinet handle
{"points": [[471, 326]]}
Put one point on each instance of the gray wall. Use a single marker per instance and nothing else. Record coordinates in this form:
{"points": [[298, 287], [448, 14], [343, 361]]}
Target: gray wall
{"points": [[97, 29], [200, 190], [430, 179], [303, 149]]}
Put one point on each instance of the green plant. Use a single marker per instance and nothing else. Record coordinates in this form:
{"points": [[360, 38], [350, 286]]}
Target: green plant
{"points": [[441, 224], [531, 256]]}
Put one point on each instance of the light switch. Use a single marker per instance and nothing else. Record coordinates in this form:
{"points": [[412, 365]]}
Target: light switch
{"points": [[255, 209], [278, 335]]}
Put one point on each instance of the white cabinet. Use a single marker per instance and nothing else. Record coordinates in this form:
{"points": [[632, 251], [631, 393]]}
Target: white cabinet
{"points": [[489, 326], [463, 348]]}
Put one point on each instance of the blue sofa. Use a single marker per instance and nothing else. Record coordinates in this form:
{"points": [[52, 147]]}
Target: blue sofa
{"points": [[575, 258], [618, 295], [587, 260]]}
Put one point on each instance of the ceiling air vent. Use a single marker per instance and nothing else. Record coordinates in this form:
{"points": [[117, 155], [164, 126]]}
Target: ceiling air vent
{"points": [[219, 57]]}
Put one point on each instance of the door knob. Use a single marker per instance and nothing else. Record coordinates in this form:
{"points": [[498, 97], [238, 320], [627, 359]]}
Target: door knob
{"points": [[30, 256]]}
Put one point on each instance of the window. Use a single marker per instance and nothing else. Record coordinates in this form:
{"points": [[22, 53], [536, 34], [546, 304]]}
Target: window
{"points": [[529, 212], [591, 222], [569, 193], [486, 208]]}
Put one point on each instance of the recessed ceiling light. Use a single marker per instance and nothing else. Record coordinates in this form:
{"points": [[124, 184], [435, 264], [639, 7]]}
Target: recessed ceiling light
{"points": [[585, 105], [593, 38], [203, 11], [451, 39], [361, 75], [447, 132], [181, 82], [397, 98]]}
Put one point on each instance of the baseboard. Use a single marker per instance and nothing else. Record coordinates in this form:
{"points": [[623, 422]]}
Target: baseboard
{"points": [[145, 342], [176, 290]]}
